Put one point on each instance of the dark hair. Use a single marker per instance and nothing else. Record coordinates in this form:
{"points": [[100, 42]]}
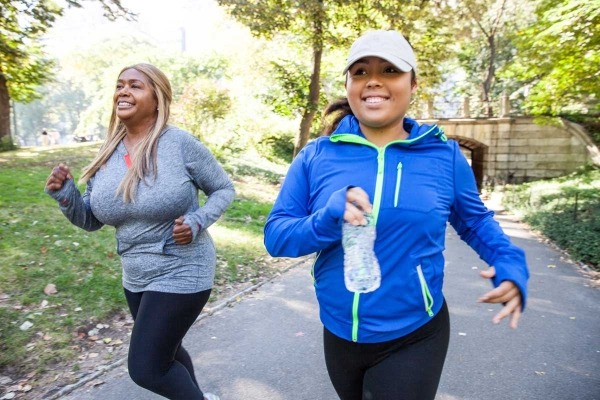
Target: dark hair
{"points": [[338, 109]]}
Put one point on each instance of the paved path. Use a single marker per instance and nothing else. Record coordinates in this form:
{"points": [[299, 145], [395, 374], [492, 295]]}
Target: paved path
{"points": [[268, 345]]}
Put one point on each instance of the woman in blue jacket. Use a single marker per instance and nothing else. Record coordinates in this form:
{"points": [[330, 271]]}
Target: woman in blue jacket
{"points": [[390, 343]]}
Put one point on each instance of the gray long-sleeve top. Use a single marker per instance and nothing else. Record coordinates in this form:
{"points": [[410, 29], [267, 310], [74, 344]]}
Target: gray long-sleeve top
{"points": [[150, 257]]}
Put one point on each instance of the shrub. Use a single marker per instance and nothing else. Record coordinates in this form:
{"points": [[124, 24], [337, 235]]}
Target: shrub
{"points": [[565, 209]]}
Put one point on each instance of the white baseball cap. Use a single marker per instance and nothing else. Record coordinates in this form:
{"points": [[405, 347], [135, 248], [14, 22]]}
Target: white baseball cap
{"points": [[389, 45]]}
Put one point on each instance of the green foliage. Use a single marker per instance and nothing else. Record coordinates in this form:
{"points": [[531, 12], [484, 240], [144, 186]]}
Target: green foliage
{"points": [[558, 58], [590, 122], [23, 65], [277, 147], [22, 60], [566, 210], [290, 94], [6, 144], [201, 105]]}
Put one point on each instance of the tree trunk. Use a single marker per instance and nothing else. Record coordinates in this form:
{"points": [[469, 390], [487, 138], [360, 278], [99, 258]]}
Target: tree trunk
{"points": [[4, 110], [313, 103], [487, 83], [314, 88]]}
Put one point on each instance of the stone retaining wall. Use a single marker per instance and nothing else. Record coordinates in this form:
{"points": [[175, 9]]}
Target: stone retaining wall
{"points": [[517, 149]]}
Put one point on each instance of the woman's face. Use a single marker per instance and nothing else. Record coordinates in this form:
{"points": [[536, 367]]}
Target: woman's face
{"points": [[134, 98], [379, 94]]}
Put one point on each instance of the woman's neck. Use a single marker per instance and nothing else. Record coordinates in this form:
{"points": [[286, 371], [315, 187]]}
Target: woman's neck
{"points": [[382, 136], [135, 134]]}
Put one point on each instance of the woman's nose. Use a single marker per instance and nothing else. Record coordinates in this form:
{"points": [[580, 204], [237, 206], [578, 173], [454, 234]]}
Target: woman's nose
{"points": [[373, 83]]}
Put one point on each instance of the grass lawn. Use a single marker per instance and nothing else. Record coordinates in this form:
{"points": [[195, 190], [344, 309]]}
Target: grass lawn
{"points": [[39, 247]]}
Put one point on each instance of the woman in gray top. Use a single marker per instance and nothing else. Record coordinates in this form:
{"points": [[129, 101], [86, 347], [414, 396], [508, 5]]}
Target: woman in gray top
{"points": [[144, 181]]}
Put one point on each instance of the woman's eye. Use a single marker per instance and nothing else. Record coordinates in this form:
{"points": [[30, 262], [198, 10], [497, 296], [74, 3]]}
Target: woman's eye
{"points": [[359, 71], [391, 70]]}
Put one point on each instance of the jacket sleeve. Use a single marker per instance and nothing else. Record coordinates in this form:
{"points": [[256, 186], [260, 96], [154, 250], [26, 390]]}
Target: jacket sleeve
{"points": [[292, 229], [476, 225], [209, 177], [76, 207]]}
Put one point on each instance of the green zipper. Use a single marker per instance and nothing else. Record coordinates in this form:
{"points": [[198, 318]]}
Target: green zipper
{"points": [[398, 181], [427, 297]]}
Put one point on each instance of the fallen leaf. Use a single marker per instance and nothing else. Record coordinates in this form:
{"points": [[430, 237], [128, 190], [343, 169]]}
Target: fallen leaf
{"points": [[5, 380], [26, 325], [50, 289], [26, 388], [44, 250], [551, 266]]}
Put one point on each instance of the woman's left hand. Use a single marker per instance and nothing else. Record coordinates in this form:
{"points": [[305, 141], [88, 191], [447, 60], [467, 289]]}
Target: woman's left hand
{"points": [[508, 294], [182, 233]]}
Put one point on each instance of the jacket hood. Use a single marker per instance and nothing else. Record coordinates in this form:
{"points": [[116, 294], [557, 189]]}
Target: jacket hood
{"points": [[417, 134]]}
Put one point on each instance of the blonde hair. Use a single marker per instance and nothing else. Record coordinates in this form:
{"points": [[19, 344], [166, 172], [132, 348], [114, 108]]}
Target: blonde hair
{"points": [[144, 160]]}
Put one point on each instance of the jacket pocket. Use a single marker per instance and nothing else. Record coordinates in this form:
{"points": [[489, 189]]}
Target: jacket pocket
{"points": [[417, 184], [427, 298]]}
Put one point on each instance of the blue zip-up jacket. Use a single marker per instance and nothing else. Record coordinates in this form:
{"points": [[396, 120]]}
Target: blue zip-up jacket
{"points": [[416, 186]]}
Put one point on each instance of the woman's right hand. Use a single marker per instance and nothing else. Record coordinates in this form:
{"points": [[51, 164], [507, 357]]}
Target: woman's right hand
{"points": [[357, 204], [57, 178]]}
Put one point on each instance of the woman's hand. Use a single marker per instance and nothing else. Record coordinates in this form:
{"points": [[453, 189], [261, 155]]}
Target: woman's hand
{"points": [[182, 233], [508, 294], [357, 204], [58, 177]]}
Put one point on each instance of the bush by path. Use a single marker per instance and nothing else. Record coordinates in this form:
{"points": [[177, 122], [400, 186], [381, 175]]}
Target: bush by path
{"points": [[566, 210]]}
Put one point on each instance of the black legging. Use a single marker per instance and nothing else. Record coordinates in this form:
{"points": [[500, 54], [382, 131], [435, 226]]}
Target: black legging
{"points": [[157, 361], [407, 368]]}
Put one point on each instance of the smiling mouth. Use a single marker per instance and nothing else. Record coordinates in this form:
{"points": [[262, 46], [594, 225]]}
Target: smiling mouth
{"points": [[374, 100], [124, 104]]}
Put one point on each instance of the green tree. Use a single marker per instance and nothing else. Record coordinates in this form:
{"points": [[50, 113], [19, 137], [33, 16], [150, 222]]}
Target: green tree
{"points": [[486, 46], [323, 25], [22, 63], [558, 58]]}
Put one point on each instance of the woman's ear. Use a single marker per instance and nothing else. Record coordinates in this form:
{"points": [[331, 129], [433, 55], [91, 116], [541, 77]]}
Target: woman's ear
{"points": [[414, 87]]}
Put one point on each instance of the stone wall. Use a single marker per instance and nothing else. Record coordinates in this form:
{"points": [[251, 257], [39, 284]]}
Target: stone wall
{"points": [[517, 149]]}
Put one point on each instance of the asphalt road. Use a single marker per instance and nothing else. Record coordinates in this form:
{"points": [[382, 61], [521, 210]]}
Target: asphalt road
{"points": [[268, 345]]}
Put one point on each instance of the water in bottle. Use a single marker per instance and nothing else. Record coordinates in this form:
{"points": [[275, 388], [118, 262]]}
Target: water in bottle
{"points": [[361, 268]]}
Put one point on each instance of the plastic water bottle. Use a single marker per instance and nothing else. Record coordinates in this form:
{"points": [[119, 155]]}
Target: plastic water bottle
{"points": [[361, 268]]}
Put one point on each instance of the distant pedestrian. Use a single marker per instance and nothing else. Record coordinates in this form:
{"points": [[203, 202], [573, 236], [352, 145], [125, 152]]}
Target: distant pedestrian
{"points": [[145, 182], [45, 138], [375, 165]]}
